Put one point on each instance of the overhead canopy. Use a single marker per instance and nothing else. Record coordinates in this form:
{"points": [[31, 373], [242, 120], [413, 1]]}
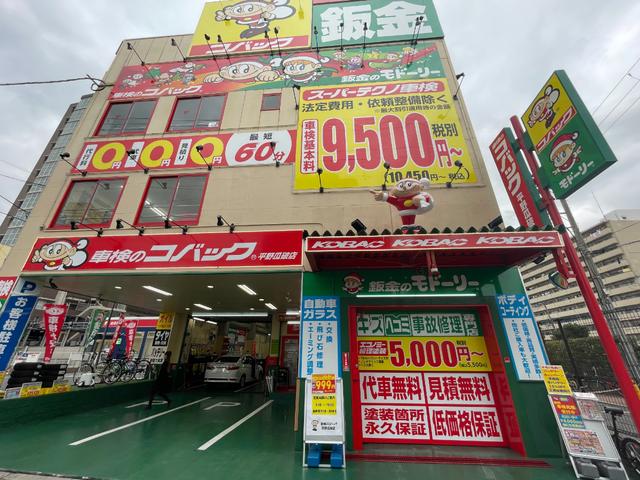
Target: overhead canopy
{"points": [[477, 249]]}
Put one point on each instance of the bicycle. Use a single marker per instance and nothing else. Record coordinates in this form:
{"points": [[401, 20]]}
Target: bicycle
{"points": [[628, 447]]}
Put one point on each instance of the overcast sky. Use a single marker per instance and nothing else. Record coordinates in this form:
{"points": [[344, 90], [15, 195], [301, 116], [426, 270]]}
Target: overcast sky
{"points": [[506, 48]]}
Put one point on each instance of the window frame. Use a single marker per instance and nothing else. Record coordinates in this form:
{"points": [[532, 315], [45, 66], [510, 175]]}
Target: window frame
{"points": [[196, 221], [97, 133], [167, 128], [53, 224], [273, 94]]}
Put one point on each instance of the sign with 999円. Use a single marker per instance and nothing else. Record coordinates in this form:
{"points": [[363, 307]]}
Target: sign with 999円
{"points": [[218, 150]]}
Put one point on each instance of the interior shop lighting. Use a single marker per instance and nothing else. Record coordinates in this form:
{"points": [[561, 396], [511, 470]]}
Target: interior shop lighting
{"points": [[211, 322], [157, 290], [293, 322], [271, 306], [198, 319], [204, 307], [293, 312], [231, 314], [117, 287], [261, 299], [376, 295], [209, 286], [246, 289], [158, 299]]}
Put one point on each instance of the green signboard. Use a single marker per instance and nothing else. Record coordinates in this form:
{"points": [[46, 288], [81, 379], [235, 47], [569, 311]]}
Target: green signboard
{"points": [[386, 21], [569, 144]]}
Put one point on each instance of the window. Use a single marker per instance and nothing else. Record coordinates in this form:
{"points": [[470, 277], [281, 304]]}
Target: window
{"points": [[197, 113], [127, 117], [90, 202], [271, 101], [176, 198]]}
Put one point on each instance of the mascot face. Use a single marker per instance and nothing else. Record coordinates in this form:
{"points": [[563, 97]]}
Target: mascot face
{"points": [[54, 252], [408, 187]]}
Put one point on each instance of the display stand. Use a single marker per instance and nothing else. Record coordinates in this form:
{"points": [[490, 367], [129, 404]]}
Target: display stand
{"points": [[323, 423]]}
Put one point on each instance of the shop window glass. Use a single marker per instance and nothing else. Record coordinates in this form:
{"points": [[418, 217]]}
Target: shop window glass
{"points": [[197, 113], [176, 198], [90, 202], [127, 117], [271, 101]]}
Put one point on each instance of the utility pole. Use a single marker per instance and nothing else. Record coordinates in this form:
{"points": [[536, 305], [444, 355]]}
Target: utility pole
{"points": [[608, 308]]}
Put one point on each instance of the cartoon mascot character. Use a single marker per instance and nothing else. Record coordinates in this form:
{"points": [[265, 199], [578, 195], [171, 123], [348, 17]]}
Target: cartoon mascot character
{"points": [[542, 110], [410, 198], [61, 254], [255, 14], [244, 71], [353, 283], [302, 69], [565, 152]]}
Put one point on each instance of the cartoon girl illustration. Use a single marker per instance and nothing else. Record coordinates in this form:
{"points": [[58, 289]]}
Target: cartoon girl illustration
{"points": [[61, 254], [255, 14], [247, 71], [302, 69]]}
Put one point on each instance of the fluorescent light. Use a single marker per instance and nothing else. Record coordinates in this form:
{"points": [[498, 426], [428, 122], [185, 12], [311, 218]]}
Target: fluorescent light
{"points": [[157, 290], [246, 289], [231, 314], [293, 312], [187, 308], [209, 286], [271, 306], [158, 299], [375, 295], [211, 322], [293, 322], [252, 309], [261, 299], [118, 287], [199, 319], [204, 307]]}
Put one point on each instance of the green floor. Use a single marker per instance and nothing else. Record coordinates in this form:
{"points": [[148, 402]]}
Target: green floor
{"points": [[166, 447]]}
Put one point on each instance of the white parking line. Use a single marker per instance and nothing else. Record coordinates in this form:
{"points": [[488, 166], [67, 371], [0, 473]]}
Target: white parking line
{"points": [[122, 427], [227, 431], [155, 402]]}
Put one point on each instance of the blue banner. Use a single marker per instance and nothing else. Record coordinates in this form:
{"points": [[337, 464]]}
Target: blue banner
{"points": [[13, 321], [320, 336]]}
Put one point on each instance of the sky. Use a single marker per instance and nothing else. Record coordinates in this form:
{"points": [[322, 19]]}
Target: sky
{"points": [[506, 48]]}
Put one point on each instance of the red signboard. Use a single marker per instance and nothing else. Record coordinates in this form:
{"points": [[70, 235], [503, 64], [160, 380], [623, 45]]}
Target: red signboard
{"points": [[197, 250], [6, 285], [454, 241], [514, 181], [130, 327], [161, 153], [54, 316], [116, 335]]}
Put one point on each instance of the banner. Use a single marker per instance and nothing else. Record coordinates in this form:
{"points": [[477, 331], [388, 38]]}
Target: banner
{"points": [[161, 337], [260, 72], [251, 27], [570, 146], [320, 336], [6, 285], [167, 153], [95, 322], [54, 317], [417, 324], [130, 328], [116, 335], [350, 132], [196, 250], [13, 321], [343, 23]]}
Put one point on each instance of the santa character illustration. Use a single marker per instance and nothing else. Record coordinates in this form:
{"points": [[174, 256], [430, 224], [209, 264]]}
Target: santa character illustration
{"points": [[61, 254], [410, 198], [542, 110], [255, 14], [565, 152], [302, 69], [247, 71], [352, 283]]}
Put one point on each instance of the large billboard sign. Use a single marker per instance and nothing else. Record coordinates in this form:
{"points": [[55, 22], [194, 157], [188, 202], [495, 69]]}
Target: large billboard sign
{"points": [[330, 67], [351, 131], [164, 153], [242, 25], [152, 252], [570, 146], [386, 21]]}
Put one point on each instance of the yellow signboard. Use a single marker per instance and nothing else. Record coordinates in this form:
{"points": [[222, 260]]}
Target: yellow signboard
{"points": [[459, 354], [165, 320], [242, 26], [549, 113], [555, 380], [348, 133], [31, 389]]}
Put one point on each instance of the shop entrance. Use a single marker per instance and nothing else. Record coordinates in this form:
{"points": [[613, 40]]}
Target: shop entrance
{"points": [[428, 375]]}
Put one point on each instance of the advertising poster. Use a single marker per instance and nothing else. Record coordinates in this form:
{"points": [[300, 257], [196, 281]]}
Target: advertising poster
{"points": [[567, 411], [54, 317], [6, 285], [161, 337], [386, 20], [132, 252], [555, 380], [259, 72], [588, 406], [525, 343], [570, 146], [244, 25], [319, 338], [219, 150], [350, 131], [13, 321], [323, 395], [324, 418], [583, 442]]}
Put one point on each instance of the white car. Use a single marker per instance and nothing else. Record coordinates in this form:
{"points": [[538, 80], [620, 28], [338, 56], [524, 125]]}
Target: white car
{"points": [[233, 369]]}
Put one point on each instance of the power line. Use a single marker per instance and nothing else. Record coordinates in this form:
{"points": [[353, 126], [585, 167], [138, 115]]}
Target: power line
{"points": [[622, 114], [97, 83], [616, 85], [13, 178], [15, 166], [637, 81]]}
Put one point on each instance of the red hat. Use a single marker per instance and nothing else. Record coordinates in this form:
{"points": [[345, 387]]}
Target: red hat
{"points": [[354, 276], [565, 139]]}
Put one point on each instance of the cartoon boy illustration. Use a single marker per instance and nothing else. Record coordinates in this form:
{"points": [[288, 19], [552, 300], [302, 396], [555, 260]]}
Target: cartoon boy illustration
{"points": [[61, 254], [255, 14], [302, 69], [185, 73], [132, 80], [542, 110], [410, 198], [565, 152], [247, 71], [352, 283]]}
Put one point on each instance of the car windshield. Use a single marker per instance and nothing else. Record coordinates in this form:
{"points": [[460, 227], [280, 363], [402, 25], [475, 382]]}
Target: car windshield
{"points": [[228, 359]]}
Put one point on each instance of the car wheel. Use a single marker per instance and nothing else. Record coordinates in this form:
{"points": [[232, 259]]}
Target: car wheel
{"points": [[243, 381]]}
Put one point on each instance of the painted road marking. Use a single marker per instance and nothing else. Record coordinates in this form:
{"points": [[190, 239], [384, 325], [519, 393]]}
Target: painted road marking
{"points": [[122, 427], [223, 404], [227, 431], [155, 402]]}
